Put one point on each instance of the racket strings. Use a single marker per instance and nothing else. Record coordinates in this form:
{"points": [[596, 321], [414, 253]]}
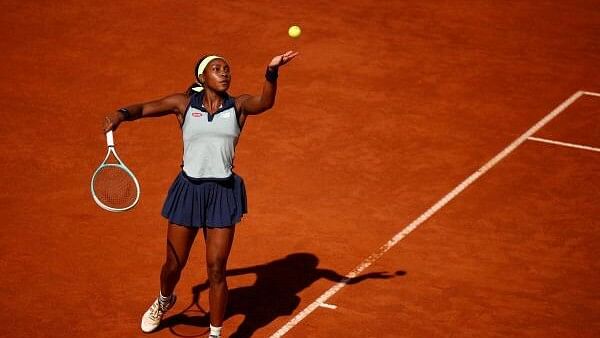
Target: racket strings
{"points": [[115, 187]]}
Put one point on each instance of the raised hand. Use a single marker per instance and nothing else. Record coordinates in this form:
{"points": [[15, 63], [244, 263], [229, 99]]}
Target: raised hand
{"points": [[282, 59]]}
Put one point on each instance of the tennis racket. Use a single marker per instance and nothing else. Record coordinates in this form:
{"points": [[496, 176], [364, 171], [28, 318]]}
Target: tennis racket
{"points": [[114, 187]]}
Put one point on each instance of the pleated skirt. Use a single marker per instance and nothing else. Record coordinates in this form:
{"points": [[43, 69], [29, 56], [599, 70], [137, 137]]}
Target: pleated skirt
{"points": [[205, 203]]}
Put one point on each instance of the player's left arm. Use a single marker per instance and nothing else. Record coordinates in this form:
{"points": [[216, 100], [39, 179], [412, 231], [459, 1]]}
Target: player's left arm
{"points": [[253, 105]]}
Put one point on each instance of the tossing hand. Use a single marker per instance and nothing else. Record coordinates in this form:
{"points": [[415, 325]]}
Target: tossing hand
{"points": [[282, 59]]}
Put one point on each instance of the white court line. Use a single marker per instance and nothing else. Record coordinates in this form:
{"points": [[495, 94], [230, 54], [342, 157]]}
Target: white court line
{"points": [[592, 93], [432, 210], [328, 306], [565, 144]]}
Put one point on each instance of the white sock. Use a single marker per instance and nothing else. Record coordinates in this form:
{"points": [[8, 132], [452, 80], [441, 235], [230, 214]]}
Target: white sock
{"points": [[163, 298], [215, 331]]}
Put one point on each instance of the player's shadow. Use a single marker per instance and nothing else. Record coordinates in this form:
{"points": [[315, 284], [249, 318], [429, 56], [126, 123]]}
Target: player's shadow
{"points": [[274, 294]]}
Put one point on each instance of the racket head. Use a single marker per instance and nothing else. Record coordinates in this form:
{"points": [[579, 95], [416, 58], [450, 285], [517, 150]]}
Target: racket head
{"points": [[114, 187]]}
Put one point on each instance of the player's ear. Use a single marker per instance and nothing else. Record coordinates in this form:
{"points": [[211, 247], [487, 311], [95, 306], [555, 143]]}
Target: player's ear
{"points": [[201, 79]]}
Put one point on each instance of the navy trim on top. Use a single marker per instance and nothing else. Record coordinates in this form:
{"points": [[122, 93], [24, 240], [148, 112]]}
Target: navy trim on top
{"points": [[198, 180], [228, 102], [185, 112], [237, 116], [196, 102]]}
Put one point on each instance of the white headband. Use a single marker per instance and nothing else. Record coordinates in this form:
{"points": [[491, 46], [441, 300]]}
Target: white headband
{"points": [[200, 70]]}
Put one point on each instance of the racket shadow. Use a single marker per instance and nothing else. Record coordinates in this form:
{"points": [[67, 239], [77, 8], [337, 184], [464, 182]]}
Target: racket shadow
{"points": [[274, 293]]}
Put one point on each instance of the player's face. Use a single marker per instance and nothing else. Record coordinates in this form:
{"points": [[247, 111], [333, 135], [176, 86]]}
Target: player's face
{"points": [[217, 75]]}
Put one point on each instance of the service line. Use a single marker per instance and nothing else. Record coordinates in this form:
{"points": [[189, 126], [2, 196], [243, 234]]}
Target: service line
{"points": [[564, 144], [591, 93]]}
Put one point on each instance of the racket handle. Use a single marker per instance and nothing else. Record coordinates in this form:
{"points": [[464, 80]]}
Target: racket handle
{"points": [[109, 139]]}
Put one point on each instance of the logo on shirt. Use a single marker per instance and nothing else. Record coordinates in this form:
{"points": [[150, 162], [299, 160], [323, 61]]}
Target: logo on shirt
{"points": [[196, 114]]}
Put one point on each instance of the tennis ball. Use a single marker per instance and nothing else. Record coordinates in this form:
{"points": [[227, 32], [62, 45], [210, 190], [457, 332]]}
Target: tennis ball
{"points": [[294, 31]]}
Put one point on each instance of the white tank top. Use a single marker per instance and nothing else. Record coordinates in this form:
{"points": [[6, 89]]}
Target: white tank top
{"points": [[209, 141]]}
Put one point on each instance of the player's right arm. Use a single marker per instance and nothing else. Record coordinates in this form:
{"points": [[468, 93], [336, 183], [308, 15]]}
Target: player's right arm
{"points": [[172, 104]]}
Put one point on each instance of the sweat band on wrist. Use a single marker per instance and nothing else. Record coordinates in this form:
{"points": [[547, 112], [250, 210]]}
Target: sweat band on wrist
{"points": [[126, 113], [271, 74]]}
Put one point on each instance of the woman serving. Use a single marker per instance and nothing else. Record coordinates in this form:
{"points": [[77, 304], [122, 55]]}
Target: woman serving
{"points": [[206, 194]]}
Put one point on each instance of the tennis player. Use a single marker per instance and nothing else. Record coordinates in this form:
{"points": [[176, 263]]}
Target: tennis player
{"points": [[206, 194]]}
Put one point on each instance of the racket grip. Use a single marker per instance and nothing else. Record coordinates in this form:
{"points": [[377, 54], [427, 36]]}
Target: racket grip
{"points": [[109, 139]]}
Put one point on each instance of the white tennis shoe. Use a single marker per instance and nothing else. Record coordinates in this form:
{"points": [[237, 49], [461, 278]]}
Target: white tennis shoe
{"points": [[152, 317]]}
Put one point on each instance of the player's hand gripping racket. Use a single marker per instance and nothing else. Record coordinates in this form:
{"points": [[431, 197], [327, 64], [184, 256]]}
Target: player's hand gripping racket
{"points": [[114, 187]]}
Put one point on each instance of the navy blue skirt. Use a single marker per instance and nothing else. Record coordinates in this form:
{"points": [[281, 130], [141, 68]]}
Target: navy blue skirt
{"points": [[205, 203]]}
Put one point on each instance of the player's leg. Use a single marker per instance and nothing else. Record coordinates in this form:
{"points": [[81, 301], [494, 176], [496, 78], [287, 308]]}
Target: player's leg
{"points": [[218, 246], [179, 243]]}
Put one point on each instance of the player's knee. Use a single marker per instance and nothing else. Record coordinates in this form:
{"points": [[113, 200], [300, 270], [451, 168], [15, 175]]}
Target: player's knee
{"points": [[173, 266], [216, 271]]}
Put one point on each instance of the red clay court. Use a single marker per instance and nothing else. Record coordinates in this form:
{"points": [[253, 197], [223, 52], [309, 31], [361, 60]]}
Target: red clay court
{"points": [[445, 152]]}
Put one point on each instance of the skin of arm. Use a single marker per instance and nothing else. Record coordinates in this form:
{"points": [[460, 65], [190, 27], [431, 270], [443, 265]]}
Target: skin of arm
{"points": [[254, 105], [172, 104], [215, 80]]}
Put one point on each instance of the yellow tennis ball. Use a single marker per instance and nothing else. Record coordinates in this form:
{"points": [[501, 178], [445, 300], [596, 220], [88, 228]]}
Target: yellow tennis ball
{"points": [[294, 31]]}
